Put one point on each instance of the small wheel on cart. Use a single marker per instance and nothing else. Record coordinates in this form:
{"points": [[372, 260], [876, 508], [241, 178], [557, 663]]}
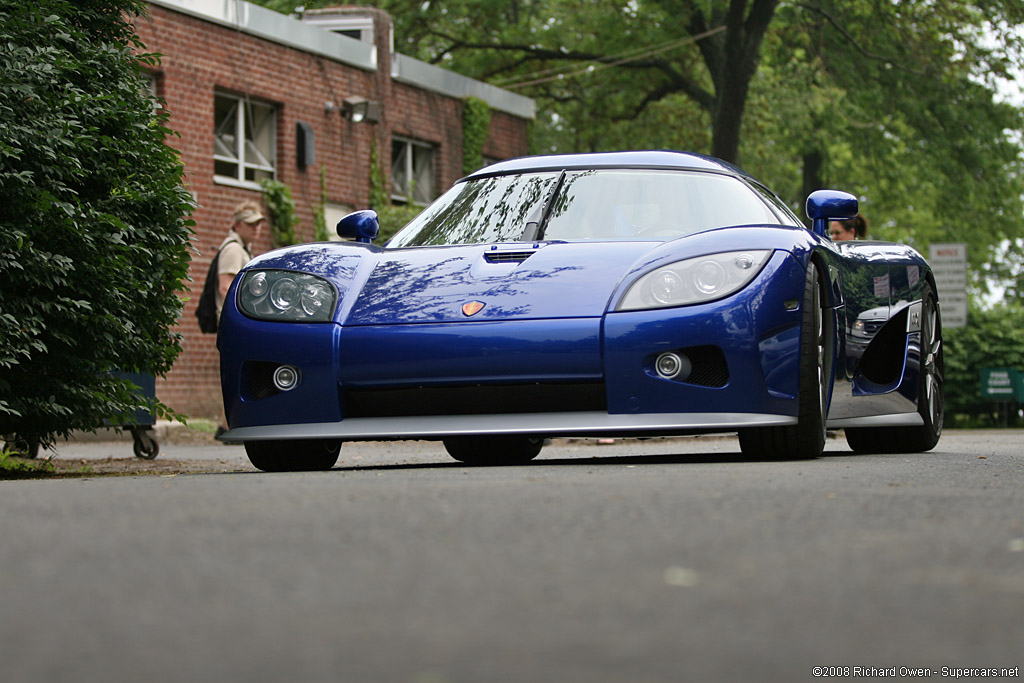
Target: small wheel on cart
{"points": [[145, 446], [25, 448]]}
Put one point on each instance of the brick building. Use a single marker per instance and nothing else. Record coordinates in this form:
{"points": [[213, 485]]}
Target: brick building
{"points": [[255, 94]]}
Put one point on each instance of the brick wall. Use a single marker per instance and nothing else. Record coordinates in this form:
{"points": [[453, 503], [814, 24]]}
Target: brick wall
{"points": [[200, 57]]}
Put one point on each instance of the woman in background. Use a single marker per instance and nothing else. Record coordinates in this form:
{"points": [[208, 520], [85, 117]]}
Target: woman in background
{"points": [[855, 228]]}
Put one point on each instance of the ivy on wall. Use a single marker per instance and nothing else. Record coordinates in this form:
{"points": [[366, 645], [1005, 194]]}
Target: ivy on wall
{"points": [[476, 126], [281, 212], [320, 233]]}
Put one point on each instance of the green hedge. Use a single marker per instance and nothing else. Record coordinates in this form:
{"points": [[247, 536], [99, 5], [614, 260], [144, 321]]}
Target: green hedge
{"points": [[94, 223]]}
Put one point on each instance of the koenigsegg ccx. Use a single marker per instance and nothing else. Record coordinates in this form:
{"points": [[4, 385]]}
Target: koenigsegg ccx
{"points": [[626, 294]]}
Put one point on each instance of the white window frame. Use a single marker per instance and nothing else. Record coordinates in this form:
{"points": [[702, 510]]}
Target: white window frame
{"points": [[247, 157], [401, 194]]}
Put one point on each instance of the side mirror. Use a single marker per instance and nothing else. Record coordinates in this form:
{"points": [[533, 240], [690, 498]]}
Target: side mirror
{"points": [[362, 226], [829, 205]]}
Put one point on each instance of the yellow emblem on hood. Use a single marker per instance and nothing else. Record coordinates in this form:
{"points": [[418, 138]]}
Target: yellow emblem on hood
{"points": [[472, 308]]}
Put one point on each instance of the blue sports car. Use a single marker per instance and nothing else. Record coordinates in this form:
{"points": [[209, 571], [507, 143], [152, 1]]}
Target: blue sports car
{"points": [[628, 294]]}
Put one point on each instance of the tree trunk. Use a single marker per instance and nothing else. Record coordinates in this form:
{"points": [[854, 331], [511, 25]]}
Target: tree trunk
{"points": [[812, 180], [732, 62]]}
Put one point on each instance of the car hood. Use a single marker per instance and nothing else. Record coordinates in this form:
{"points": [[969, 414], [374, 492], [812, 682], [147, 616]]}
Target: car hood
{"points": [[491, 282], [513, 281]]}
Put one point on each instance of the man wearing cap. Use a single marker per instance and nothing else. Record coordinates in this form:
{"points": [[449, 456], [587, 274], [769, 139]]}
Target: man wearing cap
{"points": [[235, 249]]}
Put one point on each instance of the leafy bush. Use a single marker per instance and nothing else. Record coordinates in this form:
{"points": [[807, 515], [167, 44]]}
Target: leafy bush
{"points": [[94, 224], [991, 339]]}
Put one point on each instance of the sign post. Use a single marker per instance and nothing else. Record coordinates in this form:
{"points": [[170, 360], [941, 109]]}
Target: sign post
{"points": [[949, 265]]}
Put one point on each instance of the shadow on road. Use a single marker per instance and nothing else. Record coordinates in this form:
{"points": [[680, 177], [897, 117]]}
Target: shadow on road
{"points": [[603, 461]]}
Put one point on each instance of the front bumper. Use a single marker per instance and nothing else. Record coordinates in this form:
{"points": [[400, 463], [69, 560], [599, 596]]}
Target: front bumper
{"points": [[755, 332], [539, 424]]}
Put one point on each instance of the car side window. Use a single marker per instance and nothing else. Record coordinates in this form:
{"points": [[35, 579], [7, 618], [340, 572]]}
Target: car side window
{"points": [[785, 213]]}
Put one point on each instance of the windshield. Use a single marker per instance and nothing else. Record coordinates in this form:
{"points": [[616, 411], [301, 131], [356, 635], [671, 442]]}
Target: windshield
{"points": [[588, 205]]}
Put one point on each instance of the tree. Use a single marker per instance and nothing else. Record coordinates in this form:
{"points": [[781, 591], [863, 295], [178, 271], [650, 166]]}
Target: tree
{"points": [[895, 102], [891, 101], [646, 53], [94, 224]]}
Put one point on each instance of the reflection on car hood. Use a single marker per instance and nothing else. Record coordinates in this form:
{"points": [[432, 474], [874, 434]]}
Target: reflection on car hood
{"points": [[517, 281], [514, 281]]}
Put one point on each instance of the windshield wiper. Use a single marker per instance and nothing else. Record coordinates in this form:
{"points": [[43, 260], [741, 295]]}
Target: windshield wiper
{"points": [[538, 221]]}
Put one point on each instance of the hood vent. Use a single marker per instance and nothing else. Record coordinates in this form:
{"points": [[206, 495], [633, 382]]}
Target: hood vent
{"points": [[508, 256]]}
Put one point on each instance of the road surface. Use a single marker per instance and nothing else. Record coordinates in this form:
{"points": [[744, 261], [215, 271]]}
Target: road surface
{"points": [[664, 560]]}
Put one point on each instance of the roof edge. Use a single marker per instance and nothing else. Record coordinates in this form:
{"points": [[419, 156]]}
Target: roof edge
{"points": [[285, 30]]}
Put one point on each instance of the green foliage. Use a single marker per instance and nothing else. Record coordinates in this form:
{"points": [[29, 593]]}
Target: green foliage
{"points": [[991, 339], [897, 103], [378, 181], [14, 467], [476, 126], [392, 217], [94, 224], [281, 212], [320, 233]]}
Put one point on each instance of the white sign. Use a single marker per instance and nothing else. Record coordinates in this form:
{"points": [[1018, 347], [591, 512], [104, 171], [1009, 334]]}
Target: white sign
{"points": [[949, 264]]}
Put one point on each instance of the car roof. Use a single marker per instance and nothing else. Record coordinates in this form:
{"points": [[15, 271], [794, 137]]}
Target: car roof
{"points": [[654, 159]]}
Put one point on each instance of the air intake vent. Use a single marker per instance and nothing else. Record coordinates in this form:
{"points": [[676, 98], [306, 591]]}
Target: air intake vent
{"points": [[483, 399], [508, 256], [258, 377], [709, 367]]}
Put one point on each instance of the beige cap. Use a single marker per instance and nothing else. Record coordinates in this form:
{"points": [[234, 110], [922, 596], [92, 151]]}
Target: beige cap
{"points": [[248, 213]]}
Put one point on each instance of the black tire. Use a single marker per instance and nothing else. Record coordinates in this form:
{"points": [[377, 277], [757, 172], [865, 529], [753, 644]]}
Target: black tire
{"points": [[493, 450], [930, 396], [293, 456], [806, 439]]}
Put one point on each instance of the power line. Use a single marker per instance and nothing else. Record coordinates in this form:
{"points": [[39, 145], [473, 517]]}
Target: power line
{"points": [[560, 74]]}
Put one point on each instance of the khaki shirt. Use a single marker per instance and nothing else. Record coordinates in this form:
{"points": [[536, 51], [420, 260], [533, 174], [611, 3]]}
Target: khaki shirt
{"points": [[233, 257]]}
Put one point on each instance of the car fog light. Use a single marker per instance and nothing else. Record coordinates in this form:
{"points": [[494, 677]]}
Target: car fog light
{"points": [[673, 366], [286, 378]]}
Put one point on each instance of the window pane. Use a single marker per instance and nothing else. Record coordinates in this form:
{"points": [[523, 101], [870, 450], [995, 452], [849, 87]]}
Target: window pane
{"points": [[244, 138], [259, 133], [423, 172], [399, 172], [226, 168], [225, 115]]}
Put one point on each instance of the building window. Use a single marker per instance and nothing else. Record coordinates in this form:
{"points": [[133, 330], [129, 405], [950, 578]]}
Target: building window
{"points": [[150, 86], [412, 172], [245, 137]]}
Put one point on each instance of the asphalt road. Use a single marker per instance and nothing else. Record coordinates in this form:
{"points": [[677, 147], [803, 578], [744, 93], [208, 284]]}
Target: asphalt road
{"points": [[673, 560]]}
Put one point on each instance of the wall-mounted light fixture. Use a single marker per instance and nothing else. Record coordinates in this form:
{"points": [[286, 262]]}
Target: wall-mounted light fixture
{"points": [[329, 107], [359, 109]]}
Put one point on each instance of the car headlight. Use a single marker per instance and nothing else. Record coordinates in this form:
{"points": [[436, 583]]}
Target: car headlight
{"points": [[287, 296], [695, 280]]}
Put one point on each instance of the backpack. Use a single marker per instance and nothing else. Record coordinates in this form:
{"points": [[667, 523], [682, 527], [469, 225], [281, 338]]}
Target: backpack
{"points": [[206, 311]]}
